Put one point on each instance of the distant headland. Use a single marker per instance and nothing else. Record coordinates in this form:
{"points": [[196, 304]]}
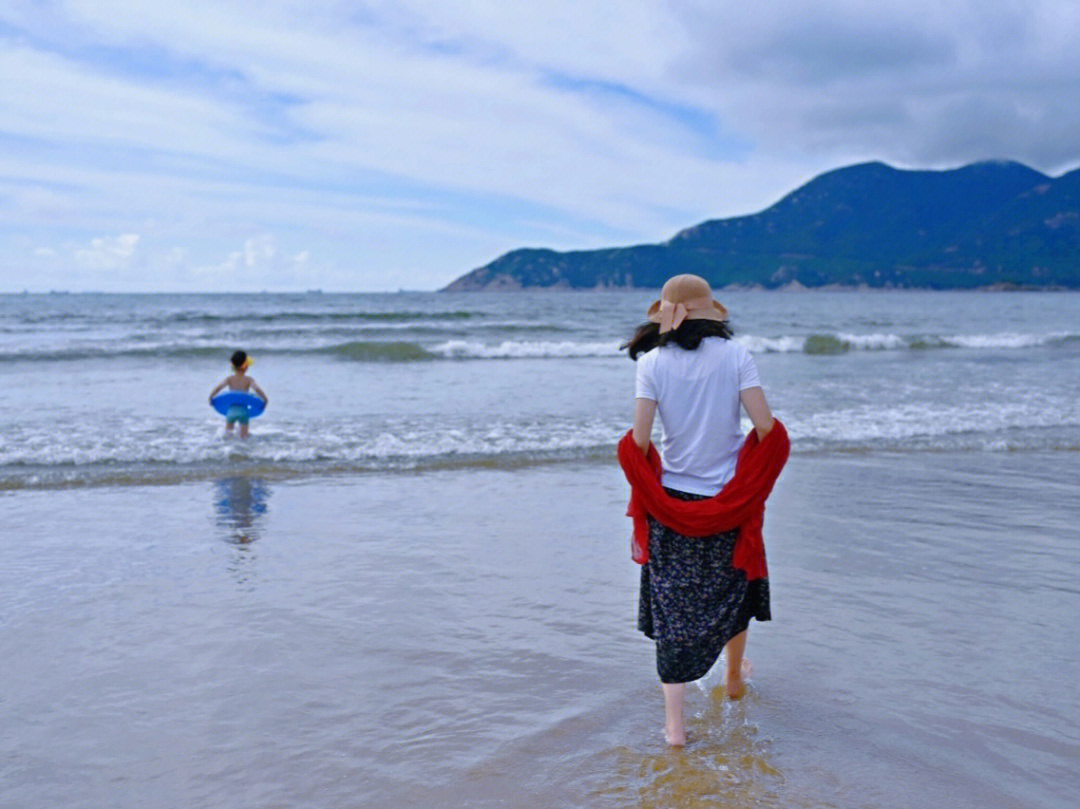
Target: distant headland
{"points": [[992, 224]]}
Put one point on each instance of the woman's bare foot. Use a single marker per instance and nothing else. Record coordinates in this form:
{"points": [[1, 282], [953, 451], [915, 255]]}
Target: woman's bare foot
{"points": [[674, 724], [675, 738], [735, 687]]}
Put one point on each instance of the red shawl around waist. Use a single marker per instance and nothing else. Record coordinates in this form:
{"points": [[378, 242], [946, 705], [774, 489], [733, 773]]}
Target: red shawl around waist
{"points": [[740, 504]]}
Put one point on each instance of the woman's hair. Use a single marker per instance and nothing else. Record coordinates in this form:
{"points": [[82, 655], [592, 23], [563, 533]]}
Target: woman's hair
{"points": [[689, 335], [238, 358]]}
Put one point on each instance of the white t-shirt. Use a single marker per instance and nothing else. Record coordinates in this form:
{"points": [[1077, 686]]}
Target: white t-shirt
{"points": [[697, 397]]}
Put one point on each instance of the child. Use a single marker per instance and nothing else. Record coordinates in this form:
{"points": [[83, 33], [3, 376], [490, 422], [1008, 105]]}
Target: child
{"points": [[239, 381]]}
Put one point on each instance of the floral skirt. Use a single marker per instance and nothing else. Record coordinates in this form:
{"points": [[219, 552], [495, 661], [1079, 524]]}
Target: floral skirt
{"points": [[693, 601]]}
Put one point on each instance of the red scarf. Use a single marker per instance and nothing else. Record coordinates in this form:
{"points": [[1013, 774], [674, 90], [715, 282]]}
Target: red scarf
{"points": [[740, 504]]}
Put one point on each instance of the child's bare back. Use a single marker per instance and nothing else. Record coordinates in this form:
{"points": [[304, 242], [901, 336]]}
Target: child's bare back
{"points": [[239, 382]]}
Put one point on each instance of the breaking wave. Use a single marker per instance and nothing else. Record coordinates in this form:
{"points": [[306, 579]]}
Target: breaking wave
{"points": [[405, 350], [843, 342]]}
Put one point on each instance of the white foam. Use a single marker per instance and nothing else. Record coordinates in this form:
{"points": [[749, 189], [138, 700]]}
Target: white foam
{"points": [[873, 342], [1003, 340], [147, 449], [981, 424], [360, 442], [765, 345], [794, 344], [519, 349]]}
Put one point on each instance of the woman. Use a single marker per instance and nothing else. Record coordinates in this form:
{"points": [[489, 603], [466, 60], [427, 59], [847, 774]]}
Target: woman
{"points": [[694, 602]]}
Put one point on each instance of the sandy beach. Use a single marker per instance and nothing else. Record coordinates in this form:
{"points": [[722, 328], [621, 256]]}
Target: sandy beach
{"points": [[467, 638]]}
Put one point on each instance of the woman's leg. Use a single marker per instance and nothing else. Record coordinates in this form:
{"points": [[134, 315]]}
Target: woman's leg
{"points": [[736, 665], [674, 726]]}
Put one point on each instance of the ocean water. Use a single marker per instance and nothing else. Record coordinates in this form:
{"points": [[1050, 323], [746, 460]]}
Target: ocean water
{"points": [[411, 587], [112, 388]]}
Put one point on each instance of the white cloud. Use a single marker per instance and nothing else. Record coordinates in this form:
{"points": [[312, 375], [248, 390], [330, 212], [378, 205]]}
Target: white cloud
{"points": [[259, 263], [371, 104], [912, 82], [402, 143], [107, 253]]}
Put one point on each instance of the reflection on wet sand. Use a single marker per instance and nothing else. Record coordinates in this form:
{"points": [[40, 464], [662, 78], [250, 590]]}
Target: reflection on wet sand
{"points": [[724, 764], [241, 504]]}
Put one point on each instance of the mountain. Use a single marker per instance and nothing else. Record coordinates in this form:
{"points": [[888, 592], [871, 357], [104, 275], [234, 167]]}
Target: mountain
{"points": [[985, 224]]}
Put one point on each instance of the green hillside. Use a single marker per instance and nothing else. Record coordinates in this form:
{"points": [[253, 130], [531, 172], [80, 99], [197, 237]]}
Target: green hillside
{"points": [[985, 224]]}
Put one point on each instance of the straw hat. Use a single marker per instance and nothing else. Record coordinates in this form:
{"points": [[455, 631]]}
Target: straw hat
{"points": [[685, 297]]}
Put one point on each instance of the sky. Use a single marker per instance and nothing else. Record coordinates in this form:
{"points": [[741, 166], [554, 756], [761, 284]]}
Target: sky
{"points": [[378, 146]]}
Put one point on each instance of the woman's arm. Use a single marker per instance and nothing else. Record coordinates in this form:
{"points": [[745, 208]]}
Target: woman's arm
{"points": [[757, 408], [644, 413]]}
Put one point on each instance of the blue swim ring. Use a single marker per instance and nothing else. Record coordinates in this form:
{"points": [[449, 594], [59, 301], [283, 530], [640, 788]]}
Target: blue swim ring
{"points": [[234, 398]]}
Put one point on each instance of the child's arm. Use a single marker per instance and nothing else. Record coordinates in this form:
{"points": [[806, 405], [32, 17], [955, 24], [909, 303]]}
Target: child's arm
{"points": [[217, 389], [259, 391]]}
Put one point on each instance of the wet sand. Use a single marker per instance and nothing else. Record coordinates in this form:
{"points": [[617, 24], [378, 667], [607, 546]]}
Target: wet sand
{"points": [[466, 638]]}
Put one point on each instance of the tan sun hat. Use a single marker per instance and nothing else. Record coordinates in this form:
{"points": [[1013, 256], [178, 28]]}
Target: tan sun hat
{"points": [[685, 297]]}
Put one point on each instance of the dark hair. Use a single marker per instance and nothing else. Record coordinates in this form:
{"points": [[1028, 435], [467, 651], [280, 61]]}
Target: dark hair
{"points": [[689, 335], [238, 358]]}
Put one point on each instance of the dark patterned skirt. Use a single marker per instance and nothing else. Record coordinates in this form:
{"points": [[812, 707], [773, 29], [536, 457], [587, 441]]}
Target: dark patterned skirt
{"points": [[692, 600]]}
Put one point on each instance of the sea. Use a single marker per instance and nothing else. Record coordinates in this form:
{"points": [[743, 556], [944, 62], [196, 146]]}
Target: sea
{"points": [[411, 586], [111, 388]]}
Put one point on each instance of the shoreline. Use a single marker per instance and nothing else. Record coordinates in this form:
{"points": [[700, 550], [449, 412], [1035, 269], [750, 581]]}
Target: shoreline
{"points": [[598, 458]]}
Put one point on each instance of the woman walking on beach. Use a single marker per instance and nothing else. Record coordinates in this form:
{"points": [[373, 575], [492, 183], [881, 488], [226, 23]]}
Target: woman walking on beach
{"points": [[698, 537]]}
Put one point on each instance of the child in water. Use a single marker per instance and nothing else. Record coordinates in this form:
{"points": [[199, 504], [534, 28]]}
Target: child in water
{"points": [[239, 381]]}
